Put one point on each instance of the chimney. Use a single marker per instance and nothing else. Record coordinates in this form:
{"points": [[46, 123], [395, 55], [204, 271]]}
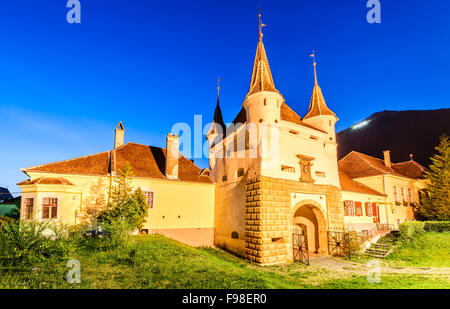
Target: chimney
{"points": [[387, 158], [172, 155], [119, 137]]}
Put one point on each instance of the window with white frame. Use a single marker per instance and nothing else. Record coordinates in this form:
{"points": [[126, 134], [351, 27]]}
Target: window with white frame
{"points": [[349, 208], [149, 197], [49, 208], [368, 209], [410, 195], [403, 194], [395, 194]]}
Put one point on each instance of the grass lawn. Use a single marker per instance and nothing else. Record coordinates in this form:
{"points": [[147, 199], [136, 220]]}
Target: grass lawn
{"points": [[428, 249], [425, 250], [158, 262]]}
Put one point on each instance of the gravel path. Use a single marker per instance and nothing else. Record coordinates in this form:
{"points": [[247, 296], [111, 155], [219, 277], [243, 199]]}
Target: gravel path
{"points": [[349, 266]]}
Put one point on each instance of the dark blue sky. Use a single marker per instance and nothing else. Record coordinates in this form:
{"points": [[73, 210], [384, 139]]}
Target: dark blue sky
{"points": [[64, 87]]}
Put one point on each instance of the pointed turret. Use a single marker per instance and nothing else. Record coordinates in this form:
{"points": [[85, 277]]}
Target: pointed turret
{"points": [[317, 104], [218, 126], [263, 100], [218, 119], [261, 76], [319, 115]]}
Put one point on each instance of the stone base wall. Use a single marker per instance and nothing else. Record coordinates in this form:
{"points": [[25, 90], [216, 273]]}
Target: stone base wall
{"points": [[268, 216]]}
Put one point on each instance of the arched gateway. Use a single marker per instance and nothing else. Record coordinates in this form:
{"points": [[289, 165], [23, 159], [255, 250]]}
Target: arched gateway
{"points": [[307, 215]]}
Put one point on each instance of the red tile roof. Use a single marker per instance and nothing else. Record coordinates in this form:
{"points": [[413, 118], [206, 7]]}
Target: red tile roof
{"points": [[348, 184], [146, 161], [47, 181], [357, 165], [411, 169]]}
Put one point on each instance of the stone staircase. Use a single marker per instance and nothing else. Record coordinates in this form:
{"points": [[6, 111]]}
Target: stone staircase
{"points": [[383, 246]]}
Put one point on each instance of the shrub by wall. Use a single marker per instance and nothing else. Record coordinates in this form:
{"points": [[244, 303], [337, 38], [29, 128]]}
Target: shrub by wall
{"points": [[437, 226], [410, 228]]}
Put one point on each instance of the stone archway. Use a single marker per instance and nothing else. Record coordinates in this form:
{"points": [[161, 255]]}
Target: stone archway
{"points": [[308, 215]]}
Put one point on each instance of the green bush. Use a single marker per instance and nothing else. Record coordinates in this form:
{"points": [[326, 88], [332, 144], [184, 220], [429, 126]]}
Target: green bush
{"points": [[6, 220], [410, 228], [437, 226], [117, 234], [26, 243]]}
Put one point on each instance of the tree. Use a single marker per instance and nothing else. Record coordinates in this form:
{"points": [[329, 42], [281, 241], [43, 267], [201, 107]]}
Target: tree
{"points": [[436, 202], [125, 207]]}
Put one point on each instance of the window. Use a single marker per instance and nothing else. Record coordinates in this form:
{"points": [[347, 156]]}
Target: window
{"points": [[29, 208], [358, 209], [349, 208], [240, 172], [289, 169], [235, 235], [247, 140], [320, 174], [410, 196], [368, 209], [314, 137], [224, 178], [403, 194], [293, 132], [149, 198], [49, 208], [395, 194]]}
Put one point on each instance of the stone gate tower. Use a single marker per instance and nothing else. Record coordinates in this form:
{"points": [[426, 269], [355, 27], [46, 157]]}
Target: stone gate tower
{"points": [[275, 172]]}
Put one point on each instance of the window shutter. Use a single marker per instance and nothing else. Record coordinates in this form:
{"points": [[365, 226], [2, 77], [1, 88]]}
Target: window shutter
{"points": [[374, 209], [358, 207]]}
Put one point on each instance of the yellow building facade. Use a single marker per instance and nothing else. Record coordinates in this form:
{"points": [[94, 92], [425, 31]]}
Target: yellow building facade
{"points": [[74, 191], [274, 179]]}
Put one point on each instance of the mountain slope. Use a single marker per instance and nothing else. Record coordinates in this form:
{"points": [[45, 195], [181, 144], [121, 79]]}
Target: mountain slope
{"points": [[414, 132]]}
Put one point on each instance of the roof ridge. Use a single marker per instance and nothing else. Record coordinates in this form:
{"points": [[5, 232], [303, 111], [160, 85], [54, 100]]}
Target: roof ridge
{"points": [[413, 162], [359, 153], [61, 161]]}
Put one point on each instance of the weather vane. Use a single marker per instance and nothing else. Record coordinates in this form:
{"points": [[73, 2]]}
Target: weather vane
{"points": [[313, 55], [261, 25]]}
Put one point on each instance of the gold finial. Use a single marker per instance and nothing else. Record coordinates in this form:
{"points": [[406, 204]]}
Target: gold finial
{"points": [[313, 55], [218, 85], [261, 25]]}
